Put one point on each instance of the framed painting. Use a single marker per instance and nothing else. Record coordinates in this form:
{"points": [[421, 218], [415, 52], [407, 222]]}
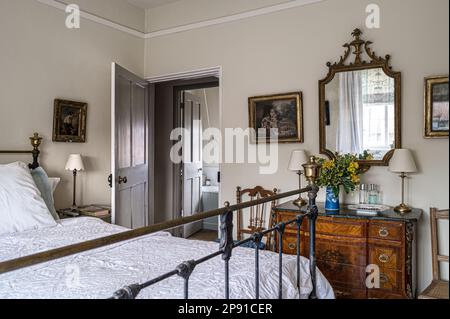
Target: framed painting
{"points": [[436, 107], [69, 121], [277, 118]]}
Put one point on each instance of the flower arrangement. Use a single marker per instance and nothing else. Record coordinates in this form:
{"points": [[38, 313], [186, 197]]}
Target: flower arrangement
{"points": [[343, 171]]}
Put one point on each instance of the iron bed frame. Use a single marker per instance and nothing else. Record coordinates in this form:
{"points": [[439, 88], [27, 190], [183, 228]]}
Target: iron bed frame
{"points": [[186, 268]]}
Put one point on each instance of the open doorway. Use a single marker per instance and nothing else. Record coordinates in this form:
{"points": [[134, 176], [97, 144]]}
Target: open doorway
{"points": [[192, 186]]}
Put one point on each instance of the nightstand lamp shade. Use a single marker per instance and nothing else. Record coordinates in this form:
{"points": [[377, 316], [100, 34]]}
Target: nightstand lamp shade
{"points": [[75, 165], [75, 162], [298, 158], [402, 162]]}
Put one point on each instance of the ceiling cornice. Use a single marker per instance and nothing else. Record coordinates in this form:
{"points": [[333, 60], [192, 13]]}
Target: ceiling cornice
{"points": [[192, 26]]}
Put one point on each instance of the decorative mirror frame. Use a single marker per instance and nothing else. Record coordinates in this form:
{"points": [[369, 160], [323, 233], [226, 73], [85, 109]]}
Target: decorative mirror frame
{"points": [[357, 47]]}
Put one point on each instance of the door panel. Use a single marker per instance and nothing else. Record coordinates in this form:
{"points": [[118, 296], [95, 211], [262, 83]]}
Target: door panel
{"points": [[123, 99], [130, 149], [139, 125], [192, 161]]}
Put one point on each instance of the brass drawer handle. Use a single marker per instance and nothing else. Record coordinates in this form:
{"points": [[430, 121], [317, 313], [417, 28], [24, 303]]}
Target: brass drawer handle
{"points": [[383, 232], [292, 246], [384, 278], [383, 258]]}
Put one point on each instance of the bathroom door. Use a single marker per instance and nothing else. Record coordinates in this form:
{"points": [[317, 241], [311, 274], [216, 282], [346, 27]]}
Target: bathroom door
{"points": [[192, 160]]}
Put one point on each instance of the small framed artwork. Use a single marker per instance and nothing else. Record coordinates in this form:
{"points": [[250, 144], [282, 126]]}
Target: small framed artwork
{"points": [[436, 107], [69, 121], [277, 118]]}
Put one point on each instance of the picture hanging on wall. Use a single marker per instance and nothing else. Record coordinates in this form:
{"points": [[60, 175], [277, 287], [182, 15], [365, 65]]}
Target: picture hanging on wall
{"points": [[69, 121], [277, 118], [436, 107]]}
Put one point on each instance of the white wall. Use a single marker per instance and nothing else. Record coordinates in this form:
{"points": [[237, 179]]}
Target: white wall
{"points": [[41, 60], [287, 51]]}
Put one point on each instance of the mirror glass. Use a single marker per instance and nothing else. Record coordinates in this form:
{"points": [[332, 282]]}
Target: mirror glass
{"points": [[360, 113]]}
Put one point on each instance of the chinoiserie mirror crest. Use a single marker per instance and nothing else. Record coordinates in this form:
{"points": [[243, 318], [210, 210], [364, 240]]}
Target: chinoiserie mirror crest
{"points": [[360, 105]]}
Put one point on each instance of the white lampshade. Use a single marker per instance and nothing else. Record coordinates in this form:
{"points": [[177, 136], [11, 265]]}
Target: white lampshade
{"points": [[298, 158], [75, 162], [402, 162]]}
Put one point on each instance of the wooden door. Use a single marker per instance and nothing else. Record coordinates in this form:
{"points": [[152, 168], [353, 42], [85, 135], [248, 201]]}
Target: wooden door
{"points": [[192, 170], [130, 149]]}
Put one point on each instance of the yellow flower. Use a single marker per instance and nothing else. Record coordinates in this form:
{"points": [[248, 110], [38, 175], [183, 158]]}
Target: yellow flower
{"points": [[328, 164], [353, 167], [355, 179]]}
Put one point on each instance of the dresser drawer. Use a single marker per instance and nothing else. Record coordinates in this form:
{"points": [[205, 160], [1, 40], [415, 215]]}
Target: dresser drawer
{"points": [[337, 250], [390, 280], [344, 276], [386, 230], [389, 257], [339, 227], [289, 244], [284, 217]]}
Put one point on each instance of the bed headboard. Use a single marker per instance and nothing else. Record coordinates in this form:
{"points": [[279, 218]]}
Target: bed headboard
{"points": [[35, 142]]}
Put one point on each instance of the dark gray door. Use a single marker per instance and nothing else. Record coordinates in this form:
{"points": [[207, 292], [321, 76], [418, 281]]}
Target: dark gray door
{"points": [[192, 161], [131, 144]]}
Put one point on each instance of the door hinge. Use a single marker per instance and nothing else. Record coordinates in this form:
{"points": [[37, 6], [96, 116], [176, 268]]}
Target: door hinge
{"points": [[110, 180]]}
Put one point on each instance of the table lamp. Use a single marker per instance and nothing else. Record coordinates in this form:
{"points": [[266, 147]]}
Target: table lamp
{"points": [[298, 158], [402, 162], [75, 165]]}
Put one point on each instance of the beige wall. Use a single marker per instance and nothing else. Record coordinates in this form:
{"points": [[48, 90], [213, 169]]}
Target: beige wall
{"points": [[287, 51], [42, 60]]}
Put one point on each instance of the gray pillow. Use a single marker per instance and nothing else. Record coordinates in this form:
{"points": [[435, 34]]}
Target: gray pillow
{"points": [[40, 177]]}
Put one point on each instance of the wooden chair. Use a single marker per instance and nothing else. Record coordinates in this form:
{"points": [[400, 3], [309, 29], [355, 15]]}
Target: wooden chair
{"points": [[438, 288], [260, 216]]}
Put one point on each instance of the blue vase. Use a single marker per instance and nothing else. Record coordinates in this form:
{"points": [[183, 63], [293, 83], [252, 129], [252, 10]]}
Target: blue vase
{"points": [[332, 202]]}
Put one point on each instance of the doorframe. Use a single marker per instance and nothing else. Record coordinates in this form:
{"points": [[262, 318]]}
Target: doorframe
{"points": [[217, 72]]}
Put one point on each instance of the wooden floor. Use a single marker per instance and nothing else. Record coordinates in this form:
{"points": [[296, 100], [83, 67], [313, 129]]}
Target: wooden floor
{"points": [[205, 235]]}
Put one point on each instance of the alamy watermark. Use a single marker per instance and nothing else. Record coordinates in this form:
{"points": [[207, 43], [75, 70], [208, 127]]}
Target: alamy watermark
{"points": [[235, 147], [73, 16], [373, 20]]}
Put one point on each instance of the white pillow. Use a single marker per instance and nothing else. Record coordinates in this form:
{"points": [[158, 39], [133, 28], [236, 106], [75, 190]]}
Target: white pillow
{"points": [[54, 182], [21, 205]]}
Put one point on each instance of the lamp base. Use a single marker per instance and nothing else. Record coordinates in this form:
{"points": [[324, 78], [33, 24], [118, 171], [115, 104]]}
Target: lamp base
{"points": [[300, 202], [403, 209]]}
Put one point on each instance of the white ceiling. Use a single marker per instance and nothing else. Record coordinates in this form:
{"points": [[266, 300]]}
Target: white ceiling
{"points": [[145, 4]]}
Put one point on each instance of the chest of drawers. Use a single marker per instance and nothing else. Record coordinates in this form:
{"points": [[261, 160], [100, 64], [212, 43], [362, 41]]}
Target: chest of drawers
{"points": [[348, 245]]}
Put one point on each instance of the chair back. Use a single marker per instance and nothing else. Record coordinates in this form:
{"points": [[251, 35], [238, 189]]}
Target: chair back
{"points": [[435, 216], [260, 215]]}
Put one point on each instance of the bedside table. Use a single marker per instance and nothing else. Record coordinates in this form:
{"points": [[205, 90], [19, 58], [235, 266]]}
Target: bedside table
{"points": [[85, 211]]}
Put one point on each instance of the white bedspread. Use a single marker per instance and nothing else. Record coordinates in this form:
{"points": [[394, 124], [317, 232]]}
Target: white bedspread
{"points": [[99, 273]]}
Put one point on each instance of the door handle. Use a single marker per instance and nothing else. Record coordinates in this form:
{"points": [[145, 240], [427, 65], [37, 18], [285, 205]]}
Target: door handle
{"points": [[123, 180]]}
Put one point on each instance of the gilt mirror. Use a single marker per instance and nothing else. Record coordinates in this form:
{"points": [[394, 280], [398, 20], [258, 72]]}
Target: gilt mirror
{"points": [[360, 105]]}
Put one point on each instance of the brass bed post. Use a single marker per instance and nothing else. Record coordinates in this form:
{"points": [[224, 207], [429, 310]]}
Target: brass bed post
{"points": [[35, 142], [312, 171]]}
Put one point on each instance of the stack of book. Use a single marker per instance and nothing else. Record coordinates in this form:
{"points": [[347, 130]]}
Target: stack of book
{"points": [[94, 211]]}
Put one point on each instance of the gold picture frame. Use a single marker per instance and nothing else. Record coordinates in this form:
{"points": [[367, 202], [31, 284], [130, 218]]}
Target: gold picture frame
{"points": [[436, 123], [276, 118], [69, 121]]}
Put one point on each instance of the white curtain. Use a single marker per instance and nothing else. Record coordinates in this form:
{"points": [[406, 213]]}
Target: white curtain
{"points": [[350, 126]]}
